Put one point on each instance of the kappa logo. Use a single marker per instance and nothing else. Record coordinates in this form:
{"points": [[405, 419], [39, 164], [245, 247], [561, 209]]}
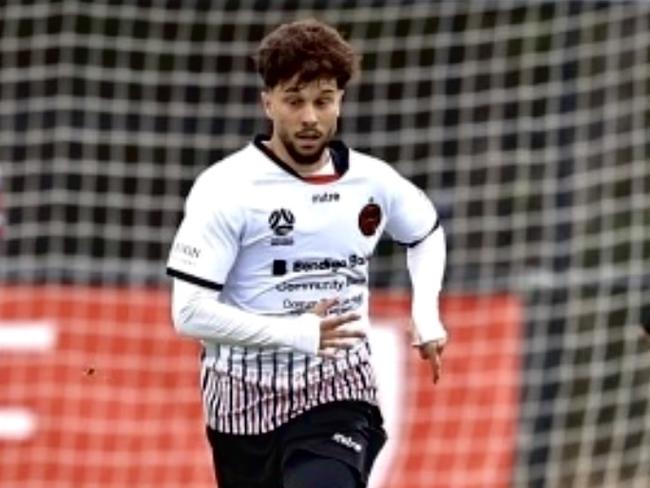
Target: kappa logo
{"points": [[281, 222]]}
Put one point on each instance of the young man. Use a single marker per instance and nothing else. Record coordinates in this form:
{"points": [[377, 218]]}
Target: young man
{"points": [[270, 268]]}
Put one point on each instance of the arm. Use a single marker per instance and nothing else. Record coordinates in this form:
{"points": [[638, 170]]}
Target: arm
{"points": [[198, 313], [426, 264], [410, 214]]}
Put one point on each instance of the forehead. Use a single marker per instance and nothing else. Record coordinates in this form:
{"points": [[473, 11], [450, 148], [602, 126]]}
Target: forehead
{"points": [[319, 85]]}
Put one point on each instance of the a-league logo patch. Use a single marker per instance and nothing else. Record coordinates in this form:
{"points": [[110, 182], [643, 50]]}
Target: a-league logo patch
{"points": [[281, 222]]}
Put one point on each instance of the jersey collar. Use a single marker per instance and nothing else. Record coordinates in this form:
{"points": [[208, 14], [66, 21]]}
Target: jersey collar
{"points": [[339, 152]]}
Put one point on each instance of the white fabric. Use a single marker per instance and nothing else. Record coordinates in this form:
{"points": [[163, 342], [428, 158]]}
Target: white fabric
{"points": [[197, 313], [275, 245], [426, 265]]}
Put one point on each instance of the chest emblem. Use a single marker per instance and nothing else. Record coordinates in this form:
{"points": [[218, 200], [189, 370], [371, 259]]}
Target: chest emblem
{"points": [[369, 219], [281, 222]]}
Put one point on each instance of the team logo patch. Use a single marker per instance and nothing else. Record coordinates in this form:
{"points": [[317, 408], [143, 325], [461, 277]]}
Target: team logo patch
{"points": [[281, 222], [369, 219]]}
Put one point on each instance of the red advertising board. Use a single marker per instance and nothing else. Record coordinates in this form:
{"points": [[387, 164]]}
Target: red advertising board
{"points": [[97, 390]]}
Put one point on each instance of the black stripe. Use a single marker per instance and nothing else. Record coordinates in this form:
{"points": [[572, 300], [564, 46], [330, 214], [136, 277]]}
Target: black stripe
{"points": [[216, 396], [335, 377], [204, 391], [244, 384], [362, 377], [319, 383], [230, 416], [195, 280], [306, 382], [346, 373], [290, 381], [274, 381], [359, 383], [260, 395], [338, 150], [416, 242]]}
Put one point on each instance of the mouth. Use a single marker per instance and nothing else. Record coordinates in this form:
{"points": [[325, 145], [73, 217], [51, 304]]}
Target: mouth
{"points": [[308, 142], [308, 136]]}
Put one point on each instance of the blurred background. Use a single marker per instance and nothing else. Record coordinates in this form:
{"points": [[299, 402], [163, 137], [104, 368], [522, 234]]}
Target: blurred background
{"points": [[526, 122]]}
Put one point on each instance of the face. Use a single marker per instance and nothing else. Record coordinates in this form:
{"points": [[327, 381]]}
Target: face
{"points": [[304, 117]]}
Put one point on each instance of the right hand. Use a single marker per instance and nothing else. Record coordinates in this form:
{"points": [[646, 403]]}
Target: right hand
{"points": [[332, 333]]}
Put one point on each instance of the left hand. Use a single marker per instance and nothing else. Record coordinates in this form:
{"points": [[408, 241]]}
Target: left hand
{"points": [[432, 351]]}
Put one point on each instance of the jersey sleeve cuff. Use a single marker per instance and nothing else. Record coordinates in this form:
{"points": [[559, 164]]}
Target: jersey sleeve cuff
{"points": [[305, 334], [434, 332], [414, 243], [195, 280]]}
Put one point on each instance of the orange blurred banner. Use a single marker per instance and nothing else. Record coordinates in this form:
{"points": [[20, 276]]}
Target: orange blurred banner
{"points": [[96, 389]]}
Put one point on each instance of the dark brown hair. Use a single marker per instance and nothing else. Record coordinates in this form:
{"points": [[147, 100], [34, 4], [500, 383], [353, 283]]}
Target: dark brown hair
{"points": [[307, 48]]}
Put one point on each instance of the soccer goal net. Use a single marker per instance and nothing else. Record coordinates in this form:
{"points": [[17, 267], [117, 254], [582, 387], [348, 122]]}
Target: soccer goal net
{"points": [[526, 122]]}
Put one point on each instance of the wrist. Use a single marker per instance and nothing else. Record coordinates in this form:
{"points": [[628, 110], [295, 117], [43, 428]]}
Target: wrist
{"points": [[304, 333]]}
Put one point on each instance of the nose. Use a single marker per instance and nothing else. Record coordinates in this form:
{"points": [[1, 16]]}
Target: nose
{"points": [[308, 115]]}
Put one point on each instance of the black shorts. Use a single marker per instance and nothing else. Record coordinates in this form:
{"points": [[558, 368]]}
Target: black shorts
{"points": [[349, 431]]}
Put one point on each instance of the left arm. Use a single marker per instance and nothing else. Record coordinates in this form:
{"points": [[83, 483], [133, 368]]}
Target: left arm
{"points": [[426, 264], [413, 221]]}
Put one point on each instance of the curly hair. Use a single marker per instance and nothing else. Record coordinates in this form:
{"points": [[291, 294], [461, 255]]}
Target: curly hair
{"points": [[309, 49]]}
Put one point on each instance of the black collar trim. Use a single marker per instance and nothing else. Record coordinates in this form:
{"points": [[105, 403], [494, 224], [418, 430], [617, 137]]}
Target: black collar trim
{"points": [[339, 151]]}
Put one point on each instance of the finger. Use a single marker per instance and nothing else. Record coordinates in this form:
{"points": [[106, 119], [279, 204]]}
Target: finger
{"points": [[436, 364], [335, 322], [340, 342], [327, 353], [429, 349], [343, 334], [323, 306], [353, 334]]}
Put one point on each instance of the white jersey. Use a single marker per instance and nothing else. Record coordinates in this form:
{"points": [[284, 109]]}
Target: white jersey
{"points": [[274, 243]]}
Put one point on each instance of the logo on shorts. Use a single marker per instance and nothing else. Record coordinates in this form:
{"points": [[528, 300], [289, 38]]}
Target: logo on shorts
{"points": [[347, 441], [281, 222], [369, 218]]}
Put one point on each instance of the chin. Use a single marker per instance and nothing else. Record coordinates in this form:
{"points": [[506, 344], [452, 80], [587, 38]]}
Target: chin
{"points": [[306, 159]]}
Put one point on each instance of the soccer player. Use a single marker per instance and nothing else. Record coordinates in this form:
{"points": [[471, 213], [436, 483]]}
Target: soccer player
{"points": [[270, 273]]}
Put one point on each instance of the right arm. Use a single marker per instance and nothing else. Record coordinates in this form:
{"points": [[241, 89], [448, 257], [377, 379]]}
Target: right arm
{"points": [[198, 313], [204, 249]]}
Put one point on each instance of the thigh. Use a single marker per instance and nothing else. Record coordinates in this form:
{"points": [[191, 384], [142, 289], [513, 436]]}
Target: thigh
{"points": [[249, 461], [307, 469], [348, 432]]}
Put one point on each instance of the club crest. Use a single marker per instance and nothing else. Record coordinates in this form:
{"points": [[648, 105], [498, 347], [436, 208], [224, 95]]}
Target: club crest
{"points": [[369, 219]]}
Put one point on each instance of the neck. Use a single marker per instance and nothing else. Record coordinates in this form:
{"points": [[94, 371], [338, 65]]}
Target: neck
{"points": [[276, 145]]}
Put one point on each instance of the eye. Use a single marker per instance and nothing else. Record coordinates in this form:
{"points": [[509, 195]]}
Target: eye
{"points": [[293, 102]]}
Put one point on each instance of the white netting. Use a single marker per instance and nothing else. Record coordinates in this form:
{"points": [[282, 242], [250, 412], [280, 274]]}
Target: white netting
{"points": [[525, 121]]}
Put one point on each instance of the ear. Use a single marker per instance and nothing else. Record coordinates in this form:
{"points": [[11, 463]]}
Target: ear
{"points": [[266, 103]]}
